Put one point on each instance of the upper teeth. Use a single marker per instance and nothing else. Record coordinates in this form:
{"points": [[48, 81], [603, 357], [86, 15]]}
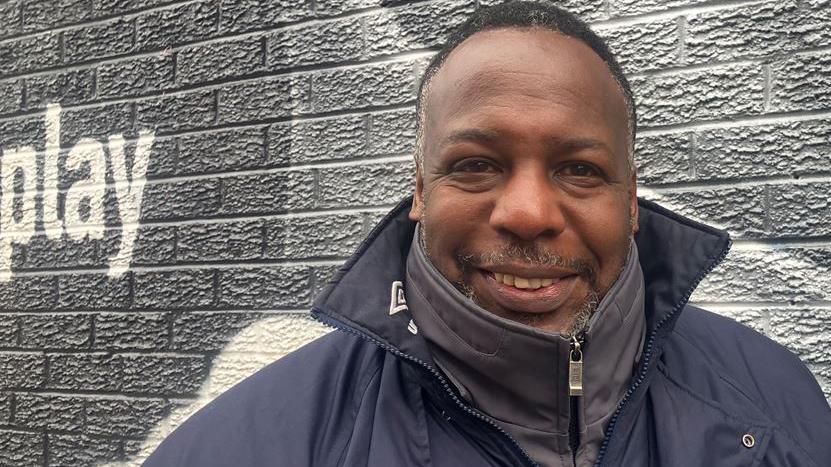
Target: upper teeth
{"points": [[522, 282]]}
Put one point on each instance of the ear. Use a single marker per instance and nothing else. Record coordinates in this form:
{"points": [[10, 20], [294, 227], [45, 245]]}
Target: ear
{"points": [[417, 210], [633, 203]]}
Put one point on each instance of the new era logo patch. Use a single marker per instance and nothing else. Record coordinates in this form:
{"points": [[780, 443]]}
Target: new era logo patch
{"points": [[397, 300]]}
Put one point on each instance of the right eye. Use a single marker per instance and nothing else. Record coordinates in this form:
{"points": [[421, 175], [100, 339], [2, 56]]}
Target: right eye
{"points": [[474, 166]]}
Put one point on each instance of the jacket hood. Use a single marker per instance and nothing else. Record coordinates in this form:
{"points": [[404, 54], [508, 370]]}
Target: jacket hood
{"points": [[675, 254]]}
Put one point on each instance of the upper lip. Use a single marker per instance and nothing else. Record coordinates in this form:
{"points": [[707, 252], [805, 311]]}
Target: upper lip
{"points": [[529, 271]]}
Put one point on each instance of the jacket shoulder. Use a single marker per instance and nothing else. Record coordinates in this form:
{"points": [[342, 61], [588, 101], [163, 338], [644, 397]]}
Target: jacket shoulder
{"points": [[298, 409], [749, 374]]}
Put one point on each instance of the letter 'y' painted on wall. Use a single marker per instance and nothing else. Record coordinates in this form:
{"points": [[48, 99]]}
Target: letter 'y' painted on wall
{"points": [[18, 205]]}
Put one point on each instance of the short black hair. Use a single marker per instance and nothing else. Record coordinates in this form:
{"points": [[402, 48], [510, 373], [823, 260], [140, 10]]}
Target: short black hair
{"points": [[521, 15]]}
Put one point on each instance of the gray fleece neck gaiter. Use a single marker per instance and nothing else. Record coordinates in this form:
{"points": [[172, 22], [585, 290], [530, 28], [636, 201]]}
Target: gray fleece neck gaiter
{"points": [[518, 374]]}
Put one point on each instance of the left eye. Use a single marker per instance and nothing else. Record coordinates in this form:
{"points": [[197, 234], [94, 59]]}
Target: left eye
{"points": [[580, 170]]}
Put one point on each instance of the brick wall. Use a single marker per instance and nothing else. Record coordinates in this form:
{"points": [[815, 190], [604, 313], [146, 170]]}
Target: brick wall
{"points": [[179, 178]]}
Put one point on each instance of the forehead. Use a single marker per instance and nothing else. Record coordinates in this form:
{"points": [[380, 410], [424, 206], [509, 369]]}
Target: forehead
{"points": [[499, 72]]}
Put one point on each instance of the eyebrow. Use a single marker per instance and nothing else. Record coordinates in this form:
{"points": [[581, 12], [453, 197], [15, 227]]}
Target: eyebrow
{"points": [[557, 144]]}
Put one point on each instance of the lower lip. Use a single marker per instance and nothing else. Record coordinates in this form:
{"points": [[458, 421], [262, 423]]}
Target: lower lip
{"points": [[541, 300]]}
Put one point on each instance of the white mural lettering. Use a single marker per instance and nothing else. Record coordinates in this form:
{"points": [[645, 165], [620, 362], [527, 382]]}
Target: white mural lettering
{"points": [[18, 209]]}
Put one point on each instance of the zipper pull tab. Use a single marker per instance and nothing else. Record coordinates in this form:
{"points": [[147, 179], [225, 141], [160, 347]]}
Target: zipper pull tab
{"points": [[575, 369]]}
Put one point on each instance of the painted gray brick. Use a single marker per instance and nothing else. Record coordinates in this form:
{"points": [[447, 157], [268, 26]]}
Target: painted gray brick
{"points": [[8, 331], [11, 96], [712, 94], [586, 9], [769, 28], [100, 40], [164, 156], [636, 7], [5, 407], [131, 331], [23, 449], [792, 148], [803, 331], [207, 332], [327, 42], [135, 77], [28, 293], [29, 53], [644, 46], [220, 60], [178, 25], [265, 98], [308, 141], [49, 412], [153, 245], [124, 417], [801, 83], [10, 18], [145, 374], [318, 236], [97, 122], [25, 131], [160, 375], [55, 331], [222, 151], [785, 275], [801, 210], [179, 112], [664, 158], [416, 27], [268, 193], [346, 186], [93, 291], [22, 370], [185, 199], [246, 15], [337, 7], [365, 86], [264, 288], [46, 14], [739, 210], [43, 252], [71, 87], [392, 133], [226, 241], [110, 7], [173, 289], [67, 450]]}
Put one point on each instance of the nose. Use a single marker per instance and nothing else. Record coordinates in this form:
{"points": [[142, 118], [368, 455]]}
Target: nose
{"points": [[528, 207]]}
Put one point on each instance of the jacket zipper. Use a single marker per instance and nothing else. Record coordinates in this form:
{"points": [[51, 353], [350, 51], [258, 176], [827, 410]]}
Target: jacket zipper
{"points": [[647, 354], [334, 323], [575, 391]]}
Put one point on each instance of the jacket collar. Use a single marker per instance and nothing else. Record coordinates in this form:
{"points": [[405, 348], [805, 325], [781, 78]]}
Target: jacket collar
{"points": [[675, 253], [518, 374]]}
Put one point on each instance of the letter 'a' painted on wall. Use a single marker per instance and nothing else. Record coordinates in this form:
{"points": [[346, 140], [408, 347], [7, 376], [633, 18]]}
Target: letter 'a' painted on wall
{"points": [[84, 202]]}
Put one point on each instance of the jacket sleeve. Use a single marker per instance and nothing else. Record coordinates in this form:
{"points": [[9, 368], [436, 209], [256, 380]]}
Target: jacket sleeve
{"points": [[295, 412]]}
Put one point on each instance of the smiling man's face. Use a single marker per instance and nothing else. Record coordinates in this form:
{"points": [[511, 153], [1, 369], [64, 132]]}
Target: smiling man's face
{"points": [[525, 196]]}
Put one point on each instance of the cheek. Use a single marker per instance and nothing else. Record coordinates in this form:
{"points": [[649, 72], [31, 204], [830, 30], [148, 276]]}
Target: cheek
{"points": [[451, 222], [604, 228]]}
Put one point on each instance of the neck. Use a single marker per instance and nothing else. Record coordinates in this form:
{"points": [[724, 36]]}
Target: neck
{"points": [[518, 374]]}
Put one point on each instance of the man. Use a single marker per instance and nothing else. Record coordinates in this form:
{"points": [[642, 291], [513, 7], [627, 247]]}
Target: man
{"points": [[524, 308]]}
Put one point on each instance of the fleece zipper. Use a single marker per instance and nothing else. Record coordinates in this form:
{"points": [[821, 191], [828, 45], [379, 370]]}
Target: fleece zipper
{"points": [[575, 391]]}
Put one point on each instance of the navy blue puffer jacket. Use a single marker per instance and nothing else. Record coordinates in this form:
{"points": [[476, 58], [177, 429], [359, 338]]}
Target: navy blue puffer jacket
{"points": [[709, 392]]}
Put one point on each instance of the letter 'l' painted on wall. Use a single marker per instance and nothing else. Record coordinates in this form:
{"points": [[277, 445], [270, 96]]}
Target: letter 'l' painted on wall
{"points": [[18, 210]]}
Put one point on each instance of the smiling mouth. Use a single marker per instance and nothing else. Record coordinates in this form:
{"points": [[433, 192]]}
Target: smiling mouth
{"points": [[528, 294], [532, 283]]}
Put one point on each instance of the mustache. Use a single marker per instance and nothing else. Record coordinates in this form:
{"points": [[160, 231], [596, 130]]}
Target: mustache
{"points": [[531, 254]]}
